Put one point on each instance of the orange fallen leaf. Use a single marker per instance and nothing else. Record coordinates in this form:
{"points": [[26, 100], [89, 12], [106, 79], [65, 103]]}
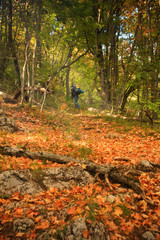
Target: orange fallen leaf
{"points": [[16, 196], [112, 226], [143, 205], [32, 214], [158, 212], [37, 219], [144, 215], [54, 220], [101, 199], [85, 234], [72, 210], [19, 212], [19, 234], [1, 209], [47, 200], [43, 225], [118, 211]]}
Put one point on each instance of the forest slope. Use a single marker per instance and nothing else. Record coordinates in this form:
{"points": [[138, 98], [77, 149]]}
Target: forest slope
{"points": [[40, 199]]}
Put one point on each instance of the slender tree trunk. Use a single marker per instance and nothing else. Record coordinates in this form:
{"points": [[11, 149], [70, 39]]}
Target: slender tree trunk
{"points": [[39, 50], [43, 100], [10, 25], [152, 58], [33, 73], [67, 83], [11, 44], [114, 75], [4, 48], [23, 74], [126, 95]]}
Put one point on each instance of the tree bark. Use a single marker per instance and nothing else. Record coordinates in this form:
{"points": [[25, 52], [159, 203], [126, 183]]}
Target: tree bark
{"points": [[67, 82], [11, 43], [107, 171], [33, 72], [126, 95], [23, 73]]}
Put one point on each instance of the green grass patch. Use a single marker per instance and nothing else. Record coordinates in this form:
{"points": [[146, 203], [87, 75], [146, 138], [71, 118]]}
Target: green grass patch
{"points": [[84, 152], [93, 210], [126, 211]]}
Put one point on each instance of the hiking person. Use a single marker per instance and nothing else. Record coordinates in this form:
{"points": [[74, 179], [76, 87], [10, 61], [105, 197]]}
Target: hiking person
{"points": [[75, 92]]}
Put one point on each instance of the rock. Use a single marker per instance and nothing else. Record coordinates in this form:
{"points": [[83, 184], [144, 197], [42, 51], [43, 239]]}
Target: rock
{"points": [[23, 225], [148, 236], [111, 198], [35, 181], [91, 109], [18, 181], [2, 93], [74, 231], [46, 235], [144, 166], [8, 124], [98, 231], [78, 226], [71, 237], [66, 177]]}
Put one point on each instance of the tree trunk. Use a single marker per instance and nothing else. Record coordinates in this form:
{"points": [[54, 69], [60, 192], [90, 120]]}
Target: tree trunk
{"points": [[39, 47], [103, 73], [126, 95], [3, 40], [23, 74], [11, 44], [43, 100], [33, 73], [67, 82]]}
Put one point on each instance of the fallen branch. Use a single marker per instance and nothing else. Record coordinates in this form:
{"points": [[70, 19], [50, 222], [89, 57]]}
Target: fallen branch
{"points": [[122, 159], [110, 171]]}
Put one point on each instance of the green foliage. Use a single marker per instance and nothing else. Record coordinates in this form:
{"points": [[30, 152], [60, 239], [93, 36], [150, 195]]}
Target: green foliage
{"points": [[70, 146], [10, 81], [64, 30], [155, 106], [93, 210], [126, 211], [84, 152], [59, 234], [77, 136], [4, 196]]}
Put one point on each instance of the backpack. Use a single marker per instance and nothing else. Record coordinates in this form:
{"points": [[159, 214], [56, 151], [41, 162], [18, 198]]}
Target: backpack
{"points": [[79, 91]]}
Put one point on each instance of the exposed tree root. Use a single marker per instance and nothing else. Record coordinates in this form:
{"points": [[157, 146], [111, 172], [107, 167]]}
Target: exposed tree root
{"points": [[107, 172]]}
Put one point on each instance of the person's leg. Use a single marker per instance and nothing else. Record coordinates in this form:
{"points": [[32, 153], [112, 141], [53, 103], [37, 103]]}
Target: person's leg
{"points": [[76, 102]]}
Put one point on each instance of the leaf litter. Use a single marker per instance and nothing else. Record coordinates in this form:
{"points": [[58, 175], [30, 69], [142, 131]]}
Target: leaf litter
{"points": [[126, 216]]}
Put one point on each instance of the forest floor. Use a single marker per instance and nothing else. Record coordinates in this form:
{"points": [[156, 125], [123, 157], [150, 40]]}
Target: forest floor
{"points": [[34, 206]]}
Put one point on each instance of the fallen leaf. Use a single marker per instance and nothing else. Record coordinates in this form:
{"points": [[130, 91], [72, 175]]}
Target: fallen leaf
{"points": [[19, 234], [37, 219], [72, 210], [85, 234], [118, 211], [112, 226], [43, 225], [18, 212]]}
